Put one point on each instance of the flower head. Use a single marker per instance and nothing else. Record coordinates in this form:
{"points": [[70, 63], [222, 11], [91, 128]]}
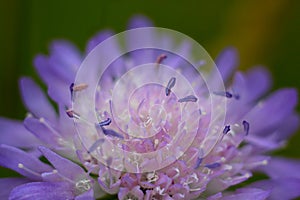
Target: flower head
{"points": [[148, 123]]}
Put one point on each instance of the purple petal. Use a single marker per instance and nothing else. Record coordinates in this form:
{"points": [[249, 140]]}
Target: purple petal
{"points": [[288, 127], [35, 100], [264, 142], [139, 21], [282, 188], [267, 115], [14, 133], [58, 89], [112, 49], [64, 166], [64, 59], [7, 184], [282, 168], [238, 86], [248, 194], [40, 130], [215, 196], [42, 191], [137, 40], [40, 63], [97, 39], [59, 92], [227, 61], [89, 195], [258, 81], [58, 82], [22, 162], [136, 192], [66, 125]]}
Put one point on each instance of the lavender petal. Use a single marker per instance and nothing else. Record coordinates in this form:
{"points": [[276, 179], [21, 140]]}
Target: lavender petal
{"points": [[42, 191]]}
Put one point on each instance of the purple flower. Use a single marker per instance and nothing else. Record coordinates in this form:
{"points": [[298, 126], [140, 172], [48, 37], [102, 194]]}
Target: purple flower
{"points": [[58, 163]]}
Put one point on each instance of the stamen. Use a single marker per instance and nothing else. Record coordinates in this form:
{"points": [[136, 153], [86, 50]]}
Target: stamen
{"points": [[246, 127], [80, 87], [98, 143], [226, 129], [200, 111], [21, 166], [198, 162], [76, 88], [63, 177], [71, 89], [113, 133], [190, 98], [224, 94], [160, 58], [105, 122], [170, 85], [72, 114], [199, 158], [213, 165]]}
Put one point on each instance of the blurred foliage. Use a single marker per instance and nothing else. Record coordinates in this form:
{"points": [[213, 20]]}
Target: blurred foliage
{"points": [[264, 32]]}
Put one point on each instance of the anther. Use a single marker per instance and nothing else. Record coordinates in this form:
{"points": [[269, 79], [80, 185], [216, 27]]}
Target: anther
{"points": [[224, 94], [72, 114], [190, 98], [113, 133], [78, 87], [246, 127], [105, 122], [71, 88], [198, 162], [213, 165], [170, 85], [160, 58], [199, 159], [226, 129]]}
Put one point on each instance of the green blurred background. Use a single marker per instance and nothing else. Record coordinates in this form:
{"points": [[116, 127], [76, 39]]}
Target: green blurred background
{"points": [[265, 32]]}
